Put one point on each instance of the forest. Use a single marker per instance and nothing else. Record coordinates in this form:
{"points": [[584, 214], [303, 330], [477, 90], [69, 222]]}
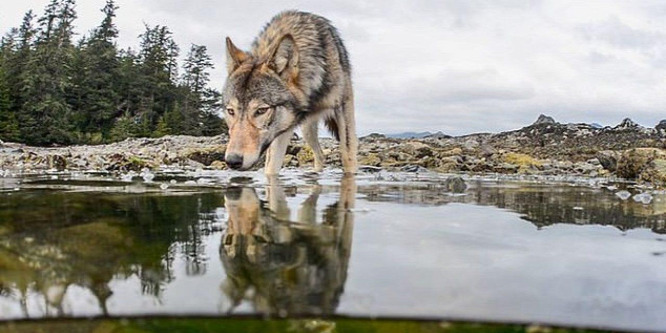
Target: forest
{"points": [[55, 90]]}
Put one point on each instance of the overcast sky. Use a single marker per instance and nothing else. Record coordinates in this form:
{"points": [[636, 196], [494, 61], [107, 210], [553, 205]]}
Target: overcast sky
{"points": [[458, 66]]}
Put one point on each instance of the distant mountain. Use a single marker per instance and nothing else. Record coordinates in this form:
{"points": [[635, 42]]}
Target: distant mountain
{"points": [[415, 135]]}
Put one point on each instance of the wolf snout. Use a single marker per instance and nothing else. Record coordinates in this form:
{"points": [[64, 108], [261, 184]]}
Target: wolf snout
{"points": [[234, 161]]}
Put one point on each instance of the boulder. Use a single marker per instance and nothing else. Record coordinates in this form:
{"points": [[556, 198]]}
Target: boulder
{"points": [[634, 162], [654, 172], [608, 159]]}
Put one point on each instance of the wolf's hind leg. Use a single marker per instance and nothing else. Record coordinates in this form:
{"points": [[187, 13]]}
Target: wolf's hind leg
{"points": [[311, 136], [344, 116], [276, 152]]}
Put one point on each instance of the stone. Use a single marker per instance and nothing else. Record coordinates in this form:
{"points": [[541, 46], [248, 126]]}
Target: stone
{"points": [[654, 172], [633, 162], [543, 119], [520, 159], [207, 155], [626, 124], [608, 159], [305, 156], [218, 165], [371, 159]]}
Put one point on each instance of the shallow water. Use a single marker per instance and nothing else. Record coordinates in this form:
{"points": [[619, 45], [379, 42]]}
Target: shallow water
{"points": [[556, 251]]}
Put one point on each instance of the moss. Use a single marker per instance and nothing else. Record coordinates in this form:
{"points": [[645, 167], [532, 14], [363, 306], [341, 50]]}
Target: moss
{"points": [[521, 160], [305, 155], [371, 159]]}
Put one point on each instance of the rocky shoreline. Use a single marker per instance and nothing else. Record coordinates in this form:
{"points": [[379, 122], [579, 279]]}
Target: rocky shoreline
{"points": [[546, 147]]}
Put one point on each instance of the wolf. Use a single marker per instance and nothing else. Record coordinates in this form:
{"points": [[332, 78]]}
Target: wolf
{"points": [[296, 74]]}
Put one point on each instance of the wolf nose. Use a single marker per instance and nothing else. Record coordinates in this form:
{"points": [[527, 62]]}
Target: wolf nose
{"points": [[234, 161]]}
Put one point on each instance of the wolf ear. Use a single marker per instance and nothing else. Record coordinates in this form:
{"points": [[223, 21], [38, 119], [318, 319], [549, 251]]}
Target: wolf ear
{"points": [[234, 56], [284, 57]]}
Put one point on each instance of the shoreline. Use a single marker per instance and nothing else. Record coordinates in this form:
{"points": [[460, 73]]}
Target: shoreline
{"points": [[627, 151]]}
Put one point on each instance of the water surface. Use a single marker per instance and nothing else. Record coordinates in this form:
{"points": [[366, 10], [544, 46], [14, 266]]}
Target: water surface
{"points": [[379, 246]]}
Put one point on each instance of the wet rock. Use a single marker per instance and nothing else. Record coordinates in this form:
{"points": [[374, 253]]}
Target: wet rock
{"points": [[455, 184], [207, 155], [57, 162], [219, 165], [608, 159], [124, 163], [369, 169], [413, 168], [633, 162]]}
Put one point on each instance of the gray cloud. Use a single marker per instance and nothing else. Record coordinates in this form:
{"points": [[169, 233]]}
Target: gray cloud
{"points": [[458, 66]]}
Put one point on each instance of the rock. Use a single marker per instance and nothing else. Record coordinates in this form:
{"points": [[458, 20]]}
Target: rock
{"points": [[455, 184], [207, 155], [369, 169], [633, 162], [608, 159], [521, 160], [661, 127], [305, 156], [124, 163], [218, 165], [654, 172], [415, 148], [371, 159], [543, 119], [451, 152], [290, 161], [57, 162], [627, 124], [413, 168]]}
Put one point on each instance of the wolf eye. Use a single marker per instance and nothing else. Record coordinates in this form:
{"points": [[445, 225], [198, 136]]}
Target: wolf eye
{"points": [[261, 111], [230, 111]]}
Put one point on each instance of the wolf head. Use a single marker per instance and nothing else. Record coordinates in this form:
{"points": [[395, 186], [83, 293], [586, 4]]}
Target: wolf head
{"points": [[261, 99]]}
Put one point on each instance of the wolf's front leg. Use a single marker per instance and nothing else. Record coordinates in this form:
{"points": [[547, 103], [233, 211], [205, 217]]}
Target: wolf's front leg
{"points": [[276, 152], [344, 116]]}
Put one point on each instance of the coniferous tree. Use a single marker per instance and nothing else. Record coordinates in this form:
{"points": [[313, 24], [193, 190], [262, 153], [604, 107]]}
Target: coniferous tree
{"points": [[201, 103], [47, 77], [54, 90], [95, 96]]}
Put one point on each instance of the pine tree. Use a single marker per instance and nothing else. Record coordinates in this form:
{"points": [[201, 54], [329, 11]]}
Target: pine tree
{"points": [[201, 103], [47, 77], [95, 96], [9, 130]]}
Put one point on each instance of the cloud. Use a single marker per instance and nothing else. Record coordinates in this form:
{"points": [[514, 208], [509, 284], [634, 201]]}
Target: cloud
{"points": [[459, 66]]}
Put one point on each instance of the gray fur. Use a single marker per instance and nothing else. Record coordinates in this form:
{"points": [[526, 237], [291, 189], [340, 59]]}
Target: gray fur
{"points": [[299, 68]]}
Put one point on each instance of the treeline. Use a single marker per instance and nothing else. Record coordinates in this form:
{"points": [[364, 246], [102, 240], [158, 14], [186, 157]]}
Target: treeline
{"points": [[55, 90]]}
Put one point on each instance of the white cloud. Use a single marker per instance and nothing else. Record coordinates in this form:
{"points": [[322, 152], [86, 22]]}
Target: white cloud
{"points": [[458, 66]]}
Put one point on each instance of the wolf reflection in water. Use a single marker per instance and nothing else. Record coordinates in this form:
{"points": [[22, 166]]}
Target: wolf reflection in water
{"points": [[281, 266]]}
